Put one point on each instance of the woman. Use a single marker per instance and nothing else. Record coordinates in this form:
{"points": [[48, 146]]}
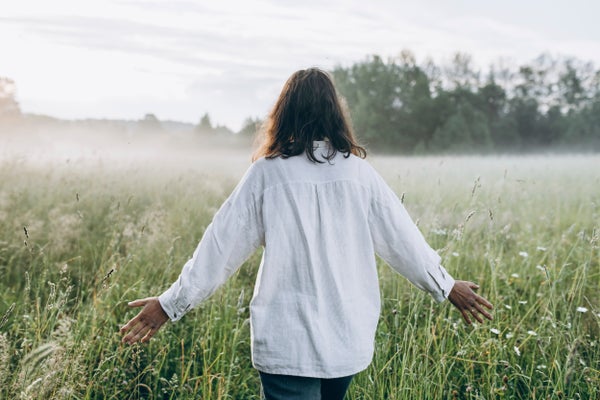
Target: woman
{"points": [[322, 213]]}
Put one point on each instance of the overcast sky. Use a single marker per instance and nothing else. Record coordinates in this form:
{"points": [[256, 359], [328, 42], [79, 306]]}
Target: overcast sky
{"points": [[180, 59]]}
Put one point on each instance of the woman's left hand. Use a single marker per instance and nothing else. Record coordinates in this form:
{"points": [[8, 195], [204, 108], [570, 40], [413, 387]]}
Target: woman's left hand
{"points": [[146, 323]]}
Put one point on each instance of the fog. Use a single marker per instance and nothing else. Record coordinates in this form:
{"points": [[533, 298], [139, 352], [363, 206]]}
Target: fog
{"points": [[55, 144], [104, 146]]}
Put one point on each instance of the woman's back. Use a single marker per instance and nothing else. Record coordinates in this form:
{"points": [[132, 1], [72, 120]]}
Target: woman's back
{"points": [[316, 300], [316, 297]]}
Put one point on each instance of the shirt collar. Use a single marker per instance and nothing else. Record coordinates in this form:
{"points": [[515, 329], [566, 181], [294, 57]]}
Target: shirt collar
{"points": [[321, 143]]}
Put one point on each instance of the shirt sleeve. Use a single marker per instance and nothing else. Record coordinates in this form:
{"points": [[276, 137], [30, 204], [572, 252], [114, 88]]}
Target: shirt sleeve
{"points": [[235, 232], [399, 242]]}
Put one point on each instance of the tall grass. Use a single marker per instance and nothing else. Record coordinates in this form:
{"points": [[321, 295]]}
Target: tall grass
{"points": [[77, 242]]}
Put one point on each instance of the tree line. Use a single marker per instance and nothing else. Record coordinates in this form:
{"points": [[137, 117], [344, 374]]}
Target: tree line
{"points": [[399, 105]]}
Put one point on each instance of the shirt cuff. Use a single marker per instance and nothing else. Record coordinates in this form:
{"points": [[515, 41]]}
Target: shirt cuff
{"points": [[170, 304], [444, 281]]}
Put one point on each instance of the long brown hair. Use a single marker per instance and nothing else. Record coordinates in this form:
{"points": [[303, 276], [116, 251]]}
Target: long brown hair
{"points": [[307, 109]]}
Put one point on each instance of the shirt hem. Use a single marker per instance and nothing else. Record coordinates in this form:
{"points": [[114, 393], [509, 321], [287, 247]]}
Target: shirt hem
{"points": [[311, 373]]}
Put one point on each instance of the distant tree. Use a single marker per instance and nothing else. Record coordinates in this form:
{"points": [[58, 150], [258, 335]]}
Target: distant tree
{"points": [[537, 80], [460, 73], [454, 135], [371, 89], [493, 101], [205, 125], [526, 115], [388, 101], [594, 86], [222, 130], [582, 130], [467, 129], [150, 123], [575, 85], [250, 127], [9, 108], [415, 124], [527, 104]]}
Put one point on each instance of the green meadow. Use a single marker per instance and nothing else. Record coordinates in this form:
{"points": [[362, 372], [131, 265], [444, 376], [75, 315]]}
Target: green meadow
{"points": [[81, 238]]}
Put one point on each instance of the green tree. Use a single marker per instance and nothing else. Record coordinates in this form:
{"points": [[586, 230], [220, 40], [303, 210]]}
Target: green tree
{"points": [[460, 73], [150, 123], [582, 129], [205, 125], [371, 90], [415, 123], [465, 130], [524, 107], [388, 101], [250, 127], [574, 85], [9, 108], [493, 102]]}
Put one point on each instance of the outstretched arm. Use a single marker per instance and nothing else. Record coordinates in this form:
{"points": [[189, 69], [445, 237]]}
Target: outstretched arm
{"points": [[469, 303], [233, 235], [400, 243]]}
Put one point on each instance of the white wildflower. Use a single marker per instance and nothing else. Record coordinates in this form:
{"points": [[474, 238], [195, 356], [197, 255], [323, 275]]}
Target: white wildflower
{"points": [[509, 335], [523, 254], [515, 275], [522, 301], [517, 351], [495, 331], [541, 366], [582, 309], [541, 248], [455, 254], [507, 307], [532, 333]]}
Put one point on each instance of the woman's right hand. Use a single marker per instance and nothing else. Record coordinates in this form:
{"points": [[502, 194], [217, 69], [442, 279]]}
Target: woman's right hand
{"points": [[469, 303]]}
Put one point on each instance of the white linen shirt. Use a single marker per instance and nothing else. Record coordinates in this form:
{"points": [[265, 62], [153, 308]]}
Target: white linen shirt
{"points": [[316, 299]]}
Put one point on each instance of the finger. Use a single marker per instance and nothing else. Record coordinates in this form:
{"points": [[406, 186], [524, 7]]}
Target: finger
{"points": [[140, 334], [134, 332], [476, 315], [130, 324], [127, 338], [487, 315], [483, 300], [138, 303], [466, 317], [149, 335], [473, 285], [483, 312]]}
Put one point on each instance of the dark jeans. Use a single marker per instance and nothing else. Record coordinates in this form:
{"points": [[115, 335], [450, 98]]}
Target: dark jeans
{"points": [[287, 387]]}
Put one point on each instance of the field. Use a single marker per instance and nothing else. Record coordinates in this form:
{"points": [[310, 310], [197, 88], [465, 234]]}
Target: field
{"points": [[81, 238]]}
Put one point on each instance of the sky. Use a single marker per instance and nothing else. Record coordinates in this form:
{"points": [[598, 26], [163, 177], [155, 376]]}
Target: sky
{"points": [[180, 59]]}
